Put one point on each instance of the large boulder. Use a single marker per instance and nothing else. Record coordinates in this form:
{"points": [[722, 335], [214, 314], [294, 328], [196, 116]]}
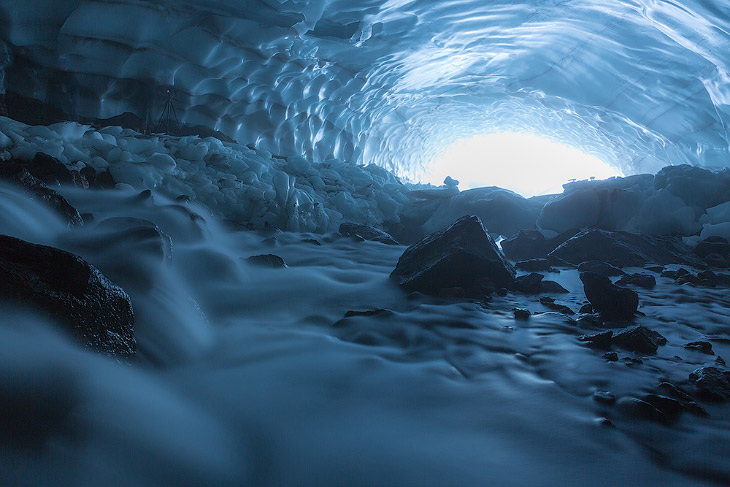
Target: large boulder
{"points": [[613, 302], [463, 256], [70, 291], [532, 244], [623, 249]]}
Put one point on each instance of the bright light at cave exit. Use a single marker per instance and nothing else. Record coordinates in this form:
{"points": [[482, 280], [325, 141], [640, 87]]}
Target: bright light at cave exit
{"points": [[524, 163]]}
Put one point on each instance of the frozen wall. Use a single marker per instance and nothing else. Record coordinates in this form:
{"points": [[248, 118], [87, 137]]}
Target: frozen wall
{"points": [[644, 82]]}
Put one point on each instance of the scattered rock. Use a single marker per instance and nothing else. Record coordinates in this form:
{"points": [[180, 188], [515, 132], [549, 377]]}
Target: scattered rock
{"points": [[600, 340], [712, 383], [613, 302], [622, 249], [604, 397], [463, 255], [639, 338], [267, 260], [521, 314], [71, 291], [366, 232], [700, 346], [600, 268], [550, 303], [641, 280], [611, 356], [533, 265]]}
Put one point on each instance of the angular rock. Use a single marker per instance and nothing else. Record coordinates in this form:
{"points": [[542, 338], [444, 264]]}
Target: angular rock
{"points": [[622, 249], [639, 339], [366, 232], [552, 287], [51, 171], [600, 268], [640, 280], [700, 346], [613, 302], [533, 265], [71, 291], [712, 383], [267, 260], [528, 284], [532, 244], [462, 256], [688, 404], [521, 314], [16, 174], [601, 340]]}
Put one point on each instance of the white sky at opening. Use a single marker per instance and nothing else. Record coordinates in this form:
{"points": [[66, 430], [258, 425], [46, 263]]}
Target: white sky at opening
{"points": [[524, 163]]}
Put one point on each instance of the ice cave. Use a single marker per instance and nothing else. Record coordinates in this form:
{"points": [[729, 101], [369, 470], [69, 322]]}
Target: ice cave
{"points": [[364, 243]]}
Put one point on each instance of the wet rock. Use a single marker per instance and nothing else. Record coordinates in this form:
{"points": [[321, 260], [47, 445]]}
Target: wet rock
{"points": [[718, 261], [700, 346], [528, 284], [366, 232], [532, 244], [521, 314], [622, 249], [463, 255], [533, 265], [550, 303], [267, 260], [600, 268], [613, 302], [711, 383], [713, 279], [688, 404], [713, 245], [601, 340], [640, 280], [370, 312], [72, 292], [312, 241], [610, 356], [604, 397], [51, 171], [586, 308], [105, 180], [654, 268], [669, 408], [552, 287], [639, 339], [18, 175], [638, 409]]}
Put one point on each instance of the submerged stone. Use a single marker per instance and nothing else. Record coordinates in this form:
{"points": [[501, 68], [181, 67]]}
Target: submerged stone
{"points": [[639, 339]]}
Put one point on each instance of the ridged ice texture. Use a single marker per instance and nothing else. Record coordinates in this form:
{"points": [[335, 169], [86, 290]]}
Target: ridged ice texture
{"points": [[643, 82]]}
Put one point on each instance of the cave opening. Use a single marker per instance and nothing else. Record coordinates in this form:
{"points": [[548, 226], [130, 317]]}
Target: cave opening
{"points": [[526, 163]]}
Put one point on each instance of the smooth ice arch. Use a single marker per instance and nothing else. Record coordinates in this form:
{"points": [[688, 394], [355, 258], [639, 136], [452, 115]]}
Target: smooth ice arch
{"points": [[644, 82]]}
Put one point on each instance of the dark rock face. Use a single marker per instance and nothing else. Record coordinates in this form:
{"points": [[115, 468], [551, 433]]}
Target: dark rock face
{"points": [[600, 268], [366, 232], [18, 175], [462, 256], [95, 311], [641, 280], [623, 249], [267, 260], [52, 171], [613, 302], [532, 244], [712, 383], [639, 339]]}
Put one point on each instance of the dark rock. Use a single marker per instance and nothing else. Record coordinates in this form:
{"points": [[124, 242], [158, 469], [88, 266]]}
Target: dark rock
{"points": [[18, 175], [712, 383], [501, 291], [312, 241], [532, 244], [604, 397], [463, 255], [533, 265], [713, 279], [689, 278], [366, 232], [552, 287], [611, 356], [601, 340], [521, 314], [713, 245], [642, 410], [622, 249], [640, 280], [370, 312], [701, 346], [586, 308], [89, 174], [690, 405], [600, 268], [528, 284], [613, 302], [654, 268], [718, 261], [49, 170], [550, 303], [669, 408], [105, 180], [639, 339], [267, 260], [72, 292]]}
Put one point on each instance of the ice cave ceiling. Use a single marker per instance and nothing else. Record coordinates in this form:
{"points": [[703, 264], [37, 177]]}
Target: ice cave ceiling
{"points": [[643, 82]]}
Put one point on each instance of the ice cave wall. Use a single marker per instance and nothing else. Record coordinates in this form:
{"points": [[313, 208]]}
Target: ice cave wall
{"points": [[643, 82]]}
